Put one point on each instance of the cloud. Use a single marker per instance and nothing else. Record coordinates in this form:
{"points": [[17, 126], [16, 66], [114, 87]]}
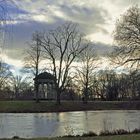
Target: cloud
{"points": [[91, 15], [12, 62], [102, 49], [125, 3], [32, 15], [39, 15], [88, 14], [96, 19], [91, 19]]}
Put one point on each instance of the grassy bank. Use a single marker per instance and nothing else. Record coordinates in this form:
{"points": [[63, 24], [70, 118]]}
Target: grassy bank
{"points": [[50, 106], [119, 137]]}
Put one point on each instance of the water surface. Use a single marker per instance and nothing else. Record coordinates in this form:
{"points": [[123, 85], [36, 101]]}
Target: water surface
{"points": [[67, 123]]}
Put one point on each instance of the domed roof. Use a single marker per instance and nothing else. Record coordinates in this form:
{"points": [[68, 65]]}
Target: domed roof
{"points": [[45, 75]]}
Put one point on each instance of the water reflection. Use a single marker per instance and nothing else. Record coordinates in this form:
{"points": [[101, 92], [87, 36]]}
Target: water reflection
{"points": [[67, 123]]}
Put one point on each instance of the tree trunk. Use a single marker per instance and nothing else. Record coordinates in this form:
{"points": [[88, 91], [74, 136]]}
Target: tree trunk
{"points": [[36, 93], [58, 100], [85, 99], [86, 96]]}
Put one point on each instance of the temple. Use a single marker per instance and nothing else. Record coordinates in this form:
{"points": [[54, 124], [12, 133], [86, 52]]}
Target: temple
{"points": [[46, 86]]}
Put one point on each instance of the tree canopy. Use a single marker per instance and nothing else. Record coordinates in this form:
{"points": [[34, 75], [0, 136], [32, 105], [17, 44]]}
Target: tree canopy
{"points": [[127, 37]]}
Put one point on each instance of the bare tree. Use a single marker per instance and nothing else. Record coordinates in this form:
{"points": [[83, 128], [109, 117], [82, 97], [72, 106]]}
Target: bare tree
{"points": [[61, 47], [85, 70], [16, 82], [5, 74], [33, 58], [33, 55], [127, 37]]}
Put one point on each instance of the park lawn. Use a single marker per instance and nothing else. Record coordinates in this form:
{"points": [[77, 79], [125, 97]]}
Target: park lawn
{"points": [[119, 137], [50, 106], [25, 106]]}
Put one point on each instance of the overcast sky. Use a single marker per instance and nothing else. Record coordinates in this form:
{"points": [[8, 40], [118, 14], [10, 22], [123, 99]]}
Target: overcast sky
{"points": [[96, 19]]}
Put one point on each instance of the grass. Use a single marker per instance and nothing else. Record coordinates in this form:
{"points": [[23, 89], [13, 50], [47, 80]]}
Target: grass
{"points": [[50, 106], [119, 137]]}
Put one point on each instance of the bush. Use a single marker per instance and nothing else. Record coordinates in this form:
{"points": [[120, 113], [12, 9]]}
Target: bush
{"points": [[68, 136], [135, 131], [89, 134], [15, 137], [121, 132], [114, 132], [105, 133]]}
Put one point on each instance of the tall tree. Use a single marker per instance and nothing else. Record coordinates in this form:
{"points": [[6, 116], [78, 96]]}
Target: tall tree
{"points": [[61, 47], [33, 58], [18, 84], [85, 71], [33, 55], [127, 37], [5, 74]]}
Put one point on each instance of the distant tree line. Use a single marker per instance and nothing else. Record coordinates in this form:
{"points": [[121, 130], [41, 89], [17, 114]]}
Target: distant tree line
{"points": [[106, 85]]}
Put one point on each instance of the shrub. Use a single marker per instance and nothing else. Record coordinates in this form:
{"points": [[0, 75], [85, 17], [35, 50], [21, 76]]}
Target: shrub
{"points": [[114, 132], [89, 134], [135, 131], [121, 132], [105, 133], [15, 137]]}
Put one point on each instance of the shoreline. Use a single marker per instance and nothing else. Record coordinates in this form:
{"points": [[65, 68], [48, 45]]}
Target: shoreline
{"points": [[66, 106], [110, 137]]}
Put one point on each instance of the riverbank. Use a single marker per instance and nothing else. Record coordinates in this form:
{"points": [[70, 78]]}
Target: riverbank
{"points": [[119, 137], [50, 106]]}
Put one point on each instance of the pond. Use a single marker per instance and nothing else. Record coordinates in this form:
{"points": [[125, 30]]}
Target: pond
{"points": [[28, 125]]}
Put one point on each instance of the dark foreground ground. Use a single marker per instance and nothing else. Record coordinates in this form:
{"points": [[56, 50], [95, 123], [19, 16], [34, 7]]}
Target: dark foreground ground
{"points": [[119, 137], [50, 106]]}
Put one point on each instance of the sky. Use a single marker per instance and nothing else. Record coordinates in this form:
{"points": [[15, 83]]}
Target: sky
{"points": [[96, 19]]}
